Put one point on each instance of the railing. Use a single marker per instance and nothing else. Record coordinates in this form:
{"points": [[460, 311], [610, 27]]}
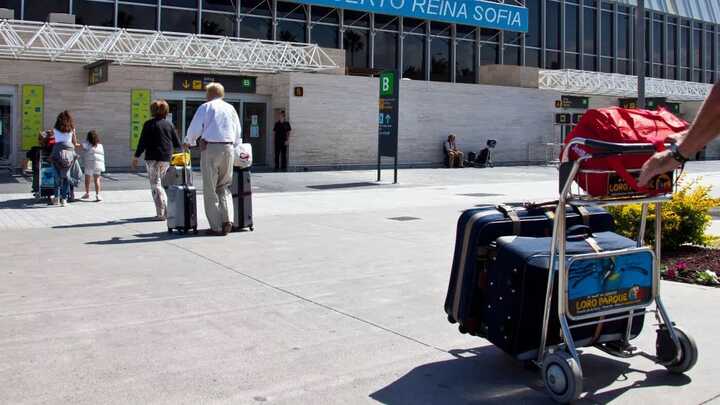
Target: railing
{"points": [[86, 44], [612, 84]]}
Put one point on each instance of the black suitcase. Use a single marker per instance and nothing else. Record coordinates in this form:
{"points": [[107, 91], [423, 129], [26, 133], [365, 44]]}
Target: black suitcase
{"points": [[242, 199], [479, 227], [515, 299]]}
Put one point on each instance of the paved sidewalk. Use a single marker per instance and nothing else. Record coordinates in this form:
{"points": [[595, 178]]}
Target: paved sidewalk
{"points": [[330, 300]]}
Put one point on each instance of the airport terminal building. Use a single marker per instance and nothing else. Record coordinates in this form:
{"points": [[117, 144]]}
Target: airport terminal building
{"points": [[518, 71]]}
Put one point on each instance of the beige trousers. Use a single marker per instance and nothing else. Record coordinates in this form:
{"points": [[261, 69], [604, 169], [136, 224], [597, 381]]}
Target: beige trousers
{"points": [[216, 163], [156, 171]]}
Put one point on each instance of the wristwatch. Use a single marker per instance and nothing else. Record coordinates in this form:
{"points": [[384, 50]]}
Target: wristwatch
{"points": [[675, 153]]}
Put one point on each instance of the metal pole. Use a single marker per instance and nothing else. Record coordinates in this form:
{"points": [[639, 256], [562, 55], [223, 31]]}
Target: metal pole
{"points": [[640, 51]]}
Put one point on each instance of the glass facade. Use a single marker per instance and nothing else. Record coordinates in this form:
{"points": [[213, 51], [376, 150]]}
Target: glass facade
{"points": [[593, 35]]}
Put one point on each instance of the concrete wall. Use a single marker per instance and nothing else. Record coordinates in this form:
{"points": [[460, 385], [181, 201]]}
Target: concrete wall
{"points": [[428, 112]]}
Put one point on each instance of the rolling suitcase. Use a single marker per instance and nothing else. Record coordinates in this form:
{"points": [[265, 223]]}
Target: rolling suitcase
{"points": [[174, 176], [477, 229], [182, 207], [242, 199], [517, 280]]}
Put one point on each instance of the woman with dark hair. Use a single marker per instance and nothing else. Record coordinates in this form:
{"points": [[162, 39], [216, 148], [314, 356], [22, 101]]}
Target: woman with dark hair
{"points": [[94, 164], [63, 155], [157, 140]]}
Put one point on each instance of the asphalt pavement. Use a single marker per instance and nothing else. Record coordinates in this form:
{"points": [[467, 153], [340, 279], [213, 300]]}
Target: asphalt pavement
{"points": [[336, 297]]}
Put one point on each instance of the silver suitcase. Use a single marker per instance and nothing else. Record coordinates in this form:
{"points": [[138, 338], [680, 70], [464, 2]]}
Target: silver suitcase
{"points": [[182, 208], [173, 176]]}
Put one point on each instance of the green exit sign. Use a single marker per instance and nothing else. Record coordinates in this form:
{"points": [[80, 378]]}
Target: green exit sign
{"points": [[387, 83]]}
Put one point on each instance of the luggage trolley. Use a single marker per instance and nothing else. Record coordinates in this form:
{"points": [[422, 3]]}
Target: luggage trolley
{"points": [[560, 364]]}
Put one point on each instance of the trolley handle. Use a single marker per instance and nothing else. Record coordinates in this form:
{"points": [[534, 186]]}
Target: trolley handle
{"points": [[620, 148]]}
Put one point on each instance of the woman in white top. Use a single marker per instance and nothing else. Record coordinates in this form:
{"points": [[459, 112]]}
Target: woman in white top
{"points": [[63, 155], [94, 163]]}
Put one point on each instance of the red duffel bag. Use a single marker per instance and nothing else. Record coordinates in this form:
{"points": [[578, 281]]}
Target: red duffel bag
{"points": [[620, 125]]}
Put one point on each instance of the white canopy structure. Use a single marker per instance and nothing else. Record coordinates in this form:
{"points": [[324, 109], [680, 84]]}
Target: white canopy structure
{"points": [[611, 84], [86, 44]]}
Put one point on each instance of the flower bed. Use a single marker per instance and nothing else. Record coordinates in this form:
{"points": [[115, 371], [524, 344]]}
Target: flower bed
{"points": [[692, 264]]}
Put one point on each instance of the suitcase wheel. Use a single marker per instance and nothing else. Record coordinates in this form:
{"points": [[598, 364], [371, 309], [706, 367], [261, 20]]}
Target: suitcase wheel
{"points": [[562, 377], [195, 231], [252, 229], [462, 329], [451, 319], [665, 348]]}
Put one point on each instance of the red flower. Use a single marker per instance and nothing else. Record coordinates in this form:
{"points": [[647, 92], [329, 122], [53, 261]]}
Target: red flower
{"points": [[671, 273]]}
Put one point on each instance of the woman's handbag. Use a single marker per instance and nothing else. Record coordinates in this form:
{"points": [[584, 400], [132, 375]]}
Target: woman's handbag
{"points": [[180, 159], [243, 155]]}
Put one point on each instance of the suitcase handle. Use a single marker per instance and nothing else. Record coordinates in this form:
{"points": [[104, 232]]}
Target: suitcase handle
{"points": [[579, 232]]}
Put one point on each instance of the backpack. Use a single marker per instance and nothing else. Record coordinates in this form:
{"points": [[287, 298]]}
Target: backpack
{"points": [[620, 125]]}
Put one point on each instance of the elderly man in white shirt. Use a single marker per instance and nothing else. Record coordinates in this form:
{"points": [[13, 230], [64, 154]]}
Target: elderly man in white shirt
{"points": [[216, 128]]}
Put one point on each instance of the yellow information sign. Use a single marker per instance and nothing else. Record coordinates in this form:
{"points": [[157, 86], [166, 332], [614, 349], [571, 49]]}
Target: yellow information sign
{"points": [[139, 113], [33, 112]]}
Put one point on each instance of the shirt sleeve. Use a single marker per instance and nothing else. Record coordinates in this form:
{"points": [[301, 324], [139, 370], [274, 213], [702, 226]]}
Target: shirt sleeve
{"points": [[141, 142], [195, 130]]}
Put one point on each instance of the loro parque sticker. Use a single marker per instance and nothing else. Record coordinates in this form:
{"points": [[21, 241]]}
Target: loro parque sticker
{"points": [[599, 284]]}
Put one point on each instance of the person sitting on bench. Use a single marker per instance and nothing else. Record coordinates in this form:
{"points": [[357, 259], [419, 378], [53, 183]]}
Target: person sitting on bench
{"points": [[452, 153]]}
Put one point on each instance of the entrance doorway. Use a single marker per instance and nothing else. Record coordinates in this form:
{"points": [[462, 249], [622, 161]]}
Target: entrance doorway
{"points": [[8, 126], [252, 110]]}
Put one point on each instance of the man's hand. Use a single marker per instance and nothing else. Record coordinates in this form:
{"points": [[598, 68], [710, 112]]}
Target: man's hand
{"points": [[659, 163], [134, 163]]}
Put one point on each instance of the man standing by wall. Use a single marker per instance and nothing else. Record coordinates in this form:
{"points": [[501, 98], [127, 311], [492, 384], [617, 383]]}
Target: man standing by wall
{"points": [[282, 141], [216, 128]]}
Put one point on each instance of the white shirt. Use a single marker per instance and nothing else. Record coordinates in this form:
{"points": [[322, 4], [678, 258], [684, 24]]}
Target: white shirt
{"points": [[62, 137], [215, 121], [94, 157]]}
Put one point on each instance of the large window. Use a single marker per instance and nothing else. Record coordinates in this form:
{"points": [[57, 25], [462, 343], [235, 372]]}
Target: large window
{"points": [[324, 29], [356, 45], [219, 5], [291, 22], [136, 16], [178, 20], [489, 54], [572, 33], [256, 7], [94, 13], [256, 27], [440, 59], [552, 33], [414, 57], [38, 10], [218, 24], [386, 50], [12, 5], [466, 52], [533, 36]]}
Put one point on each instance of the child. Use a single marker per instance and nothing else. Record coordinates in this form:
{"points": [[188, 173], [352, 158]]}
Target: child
{"points": [[94, 158]]}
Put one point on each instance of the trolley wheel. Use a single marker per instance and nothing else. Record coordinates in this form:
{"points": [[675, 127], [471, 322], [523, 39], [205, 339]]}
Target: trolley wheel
{"points": [[562, 377], [688, 350], [252, 229], [462, 329]]}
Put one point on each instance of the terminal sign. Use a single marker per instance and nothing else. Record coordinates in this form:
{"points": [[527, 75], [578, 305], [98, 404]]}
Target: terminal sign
{"points": [[478, 13], [388, 114], [197, 82]]}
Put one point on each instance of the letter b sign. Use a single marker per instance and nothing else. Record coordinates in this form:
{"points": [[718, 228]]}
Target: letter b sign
{"points": [[387, 80]]}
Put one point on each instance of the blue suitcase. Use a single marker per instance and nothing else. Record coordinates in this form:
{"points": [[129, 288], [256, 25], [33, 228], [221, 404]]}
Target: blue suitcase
{"points": [[477, 230], [514, 303]]}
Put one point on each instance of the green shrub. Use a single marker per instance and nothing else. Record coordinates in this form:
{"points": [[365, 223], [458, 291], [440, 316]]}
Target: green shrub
{"points": [[684, 218]]}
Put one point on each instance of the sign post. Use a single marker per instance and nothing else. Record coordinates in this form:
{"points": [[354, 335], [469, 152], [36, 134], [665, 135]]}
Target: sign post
{"points": [[139, 113], [388, 119], [33, 106]]}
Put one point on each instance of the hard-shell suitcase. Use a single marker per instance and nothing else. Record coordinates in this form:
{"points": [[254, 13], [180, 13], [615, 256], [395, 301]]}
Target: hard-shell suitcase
{"points": [[517, 283], [479, 227], [174, 176], [242, 199], [182, 207]]}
